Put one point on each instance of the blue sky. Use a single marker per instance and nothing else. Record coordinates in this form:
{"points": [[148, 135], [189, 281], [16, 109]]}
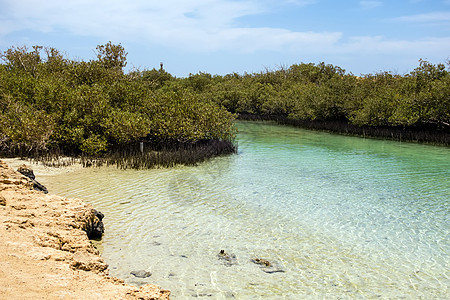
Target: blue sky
{"points": [[225, 36]]}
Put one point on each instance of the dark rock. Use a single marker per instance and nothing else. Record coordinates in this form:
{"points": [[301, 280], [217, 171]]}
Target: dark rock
{"points": [[39, 187], [262, 262], [99, 215], [141, 274], [28, 172], [228, 259], [2, 200], [267, 266], [95, 227]]}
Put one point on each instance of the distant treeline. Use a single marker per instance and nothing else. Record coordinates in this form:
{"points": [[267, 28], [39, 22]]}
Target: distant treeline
{"points": [[413, 107], [50, 104]]}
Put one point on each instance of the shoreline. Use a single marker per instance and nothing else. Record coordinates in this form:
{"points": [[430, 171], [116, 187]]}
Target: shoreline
{"points": [[393, 133], [45, 249], [140, 155]]}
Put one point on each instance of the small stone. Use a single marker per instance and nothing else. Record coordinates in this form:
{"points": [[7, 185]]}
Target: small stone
{"points": [[227, 258], [262, 261], [141, 274], [267, 266], [200, 284]]}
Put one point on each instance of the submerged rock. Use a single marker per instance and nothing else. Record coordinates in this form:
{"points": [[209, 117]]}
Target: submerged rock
{"points": [[227, 258], [267, 266], [141, 274]]}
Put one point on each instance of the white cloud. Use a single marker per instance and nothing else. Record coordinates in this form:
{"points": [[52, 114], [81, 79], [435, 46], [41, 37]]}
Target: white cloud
{"points": [[370, 4], [432, 18], [369, 45], [301, 2], [205, 25]]}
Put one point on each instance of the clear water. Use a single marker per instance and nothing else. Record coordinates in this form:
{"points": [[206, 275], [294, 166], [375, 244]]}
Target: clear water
{"points": [[345, 217]]}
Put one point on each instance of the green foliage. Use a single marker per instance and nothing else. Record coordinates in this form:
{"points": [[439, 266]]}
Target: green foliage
{"points": [[112, 56], [324, 92], [94, 144], [22, 60], [50, 102], [154, 78]]}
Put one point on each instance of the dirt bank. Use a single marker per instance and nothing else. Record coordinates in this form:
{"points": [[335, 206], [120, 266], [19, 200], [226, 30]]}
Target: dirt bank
{"points": [[45, 252]]}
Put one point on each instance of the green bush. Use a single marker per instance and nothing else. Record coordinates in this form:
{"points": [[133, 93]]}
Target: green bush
{"points": [[92, 107]]}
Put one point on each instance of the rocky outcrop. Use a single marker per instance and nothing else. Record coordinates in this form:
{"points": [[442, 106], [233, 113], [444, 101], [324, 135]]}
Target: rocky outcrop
{"points": [[93, 224], [27, 171], [94, 227], [46, 252]]}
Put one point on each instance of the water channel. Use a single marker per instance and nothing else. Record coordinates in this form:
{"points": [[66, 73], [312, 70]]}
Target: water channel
{"points": [[341, 217]]}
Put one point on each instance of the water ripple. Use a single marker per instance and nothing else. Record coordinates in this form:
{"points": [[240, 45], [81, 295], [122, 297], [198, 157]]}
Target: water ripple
{"points": [[344, 217]]}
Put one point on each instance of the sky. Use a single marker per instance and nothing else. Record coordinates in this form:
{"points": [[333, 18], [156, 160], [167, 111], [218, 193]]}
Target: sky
{"points": [[242, 36]]}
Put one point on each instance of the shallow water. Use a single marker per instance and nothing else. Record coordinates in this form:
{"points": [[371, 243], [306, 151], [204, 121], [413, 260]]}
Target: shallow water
{"points": [[344, 217]]}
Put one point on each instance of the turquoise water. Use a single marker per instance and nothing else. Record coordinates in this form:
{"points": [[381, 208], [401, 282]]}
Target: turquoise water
{"points": [[344, 217]]}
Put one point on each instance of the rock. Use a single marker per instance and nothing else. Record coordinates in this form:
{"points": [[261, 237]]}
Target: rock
{"points": [[267, 266], [2, 200], [39, 187], [99, 214], [228, 259], [88, 262], [28, 172], [95, 227], [149, 292], [44, 248], [141, 274], [262, 262]]}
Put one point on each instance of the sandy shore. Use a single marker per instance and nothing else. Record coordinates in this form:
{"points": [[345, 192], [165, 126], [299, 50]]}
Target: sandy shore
{"points": [[45, 252]]}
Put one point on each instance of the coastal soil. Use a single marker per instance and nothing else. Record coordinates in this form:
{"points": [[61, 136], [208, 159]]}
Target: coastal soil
{"points": [[45, 252]]}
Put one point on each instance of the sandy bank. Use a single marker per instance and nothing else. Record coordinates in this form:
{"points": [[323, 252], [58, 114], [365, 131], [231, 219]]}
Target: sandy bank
{"points": [[45, 252]]}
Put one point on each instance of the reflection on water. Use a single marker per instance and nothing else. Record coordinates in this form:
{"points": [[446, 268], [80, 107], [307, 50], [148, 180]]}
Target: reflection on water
{"points": [[343, 217]]}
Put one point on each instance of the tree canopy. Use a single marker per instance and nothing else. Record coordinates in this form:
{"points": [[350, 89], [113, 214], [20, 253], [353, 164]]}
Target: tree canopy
{"points": [[49, 102]]}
